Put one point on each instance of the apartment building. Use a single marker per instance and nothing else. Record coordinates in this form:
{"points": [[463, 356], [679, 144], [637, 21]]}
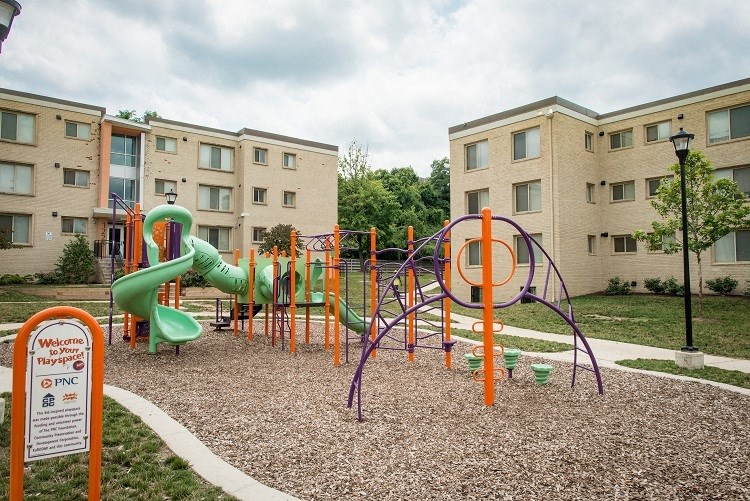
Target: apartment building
{"points": [[580, 183], [61, 160]]}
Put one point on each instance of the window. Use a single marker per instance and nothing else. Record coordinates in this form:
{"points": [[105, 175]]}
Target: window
{"points": [[166, 144], [216, 236], [621, 139], [741, 176], [215, 157], [74, 225], [17, 179], [591, 193], [476, 200], [732, 247], [290, 199], [290, 161], [526, 144], [652, 185], [78, 130], [623, 191], [522, 250], [528, 196], [260, 156], [126, 189], [476, 294], [588, 141], [476, 155], [124, 150], [658, 132], [259, 196], [666, 242], [163, 186], [16, 227], [592, 244], [624, 243], [72, 177], [258, 234], [727, 124], [17, 127], [474, 254], [214, 198]]}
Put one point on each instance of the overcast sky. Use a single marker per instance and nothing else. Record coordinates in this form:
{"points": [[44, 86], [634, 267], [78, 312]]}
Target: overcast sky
{"points": [[392, 74]]}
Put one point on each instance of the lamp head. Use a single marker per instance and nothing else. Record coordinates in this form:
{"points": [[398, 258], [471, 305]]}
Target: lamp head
{"points": [[171, 197]]}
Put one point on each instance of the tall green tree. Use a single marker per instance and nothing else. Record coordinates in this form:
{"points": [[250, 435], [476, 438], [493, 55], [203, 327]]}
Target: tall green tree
{"points": [[715, 207]]}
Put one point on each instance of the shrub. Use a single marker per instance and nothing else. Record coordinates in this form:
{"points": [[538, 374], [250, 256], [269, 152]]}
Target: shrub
{"points": [[49, 278], [673, 287], [77, 265], [617, 287], [12, 280], [654, 285], [192, 278], [722, 285]]}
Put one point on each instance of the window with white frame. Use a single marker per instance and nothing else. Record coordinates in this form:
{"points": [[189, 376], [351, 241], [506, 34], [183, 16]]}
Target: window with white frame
{"points": [[78, 130], [733, 247], [740, 175], [258, 234], [259, 196], [215, 157], [16, 228], [124, 150], [290, 161], [163, 186], [474, 254], [16, 179], [592, 244], [591, 193], [732, 123], [658, 132], [477, 155], [214, 198], [126, 189], [528, 197], [621, 139], [74, 225], [73, 177], [652, 185], [289, 199], [260, 156], [477, 200], [526, 144], [216, 236], [623, 191], [624, 244], [588, 141], [19, 127], [522, 250], [166, 144]]}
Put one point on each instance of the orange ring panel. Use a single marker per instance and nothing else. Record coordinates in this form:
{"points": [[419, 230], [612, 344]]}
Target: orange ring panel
{"points": [[479, 284]]}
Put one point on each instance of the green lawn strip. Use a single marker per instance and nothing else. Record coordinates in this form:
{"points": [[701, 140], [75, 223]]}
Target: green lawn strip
{"points": [[8, 294], [8, 332], [20, 312], [645, 319], [522, 343], [136, 464], [735, 378]]}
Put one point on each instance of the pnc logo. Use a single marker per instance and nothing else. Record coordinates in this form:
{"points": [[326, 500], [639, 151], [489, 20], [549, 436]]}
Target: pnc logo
{"points": [[65, 381], [46, 383]]}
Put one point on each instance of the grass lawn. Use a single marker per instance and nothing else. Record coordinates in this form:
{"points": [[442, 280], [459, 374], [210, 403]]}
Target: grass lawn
{"points": [[136, 464], [522, 343], [736, 378], [645, 319]]}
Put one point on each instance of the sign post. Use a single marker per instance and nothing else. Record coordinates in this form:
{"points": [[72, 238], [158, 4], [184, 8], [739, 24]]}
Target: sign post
{"points": [[58, 366]]}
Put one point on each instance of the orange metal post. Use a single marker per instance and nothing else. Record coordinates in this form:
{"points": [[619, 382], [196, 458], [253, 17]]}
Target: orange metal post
{"points": [[137, 238], [373, 288], [125, 314], [251, 292], [327, 296], [410, 292], [18, 406], [447, 301], [292, 289], [336, 297], [308, 286], [488, 338], [177, 293], [275, 293]]}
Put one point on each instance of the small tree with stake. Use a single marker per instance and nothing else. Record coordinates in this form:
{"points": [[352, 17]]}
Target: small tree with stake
{"points": [[281, 237]]}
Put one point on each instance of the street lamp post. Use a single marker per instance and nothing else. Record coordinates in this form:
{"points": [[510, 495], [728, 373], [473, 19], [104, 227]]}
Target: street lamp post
{"points": [[8, 10], [681, 142]]}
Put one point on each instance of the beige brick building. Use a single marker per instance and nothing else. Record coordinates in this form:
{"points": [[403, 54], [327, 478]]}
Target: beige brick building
{"points": [[60, 160], [581, 183]]}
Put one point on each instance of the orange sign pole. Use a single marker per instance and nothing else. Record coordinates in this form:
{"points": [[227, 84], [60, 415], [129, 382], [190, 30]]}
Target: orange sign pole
{"points": [[488, 338], [373, 288], [18, 407], [447, 301]]}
